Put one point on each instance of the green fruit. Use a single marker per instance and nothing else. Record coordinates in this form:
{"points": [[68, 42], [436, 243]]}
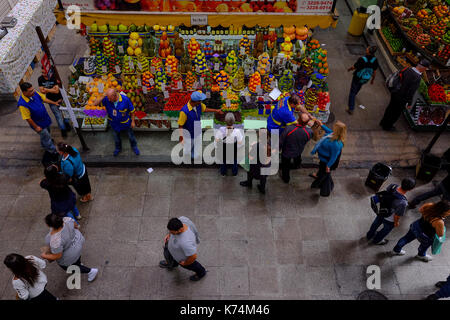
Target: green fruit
{"points": [[113, 28], [123, 28], [94, 27], [103, 28]]}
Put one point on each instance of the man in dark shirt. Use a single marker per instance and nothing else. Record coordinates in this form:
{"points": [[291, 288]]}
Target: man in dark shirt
{"points": [[410, 81], [365, 69], [50, 88], [292, 142]]}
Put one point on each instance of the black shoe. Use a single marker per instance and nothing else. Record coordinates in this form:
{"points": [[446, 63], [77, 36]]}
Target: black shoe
{"points": [[440, 284], [164, 264], [391, 129], [68, 126], [411, 206], [432, 297], [261, 189], [285, 180], [245, 184], [64, 133]]}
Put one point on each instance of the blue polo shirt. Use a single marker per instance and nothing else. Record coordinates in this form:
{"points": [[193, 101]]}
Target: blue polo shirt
{"points": [[33, 108], [189, 115], [281, 116], [119, 112]]}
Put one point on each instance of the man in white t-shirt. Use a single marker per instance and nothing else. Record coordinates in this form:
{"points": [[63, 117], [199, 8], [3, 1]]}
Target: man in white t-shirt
{"points": [[180, 247]]}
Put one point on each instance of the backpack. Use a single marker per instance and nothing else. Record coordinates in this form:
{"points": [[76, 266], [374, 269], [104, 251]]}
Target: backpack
{"points": [[365, 74], [382, 201], [394, 80]]}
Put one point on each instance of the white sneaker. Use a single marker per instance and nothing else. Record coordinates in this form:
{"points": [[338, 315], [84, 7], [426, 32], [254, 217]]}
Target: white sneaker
{"points": [[424, 258], [92, 274], [401, 253], [78, 217]]}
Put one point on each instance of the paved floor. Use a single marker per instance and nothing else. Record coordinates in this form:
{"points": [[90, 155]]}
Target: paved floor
{"points": [[289, 244]]}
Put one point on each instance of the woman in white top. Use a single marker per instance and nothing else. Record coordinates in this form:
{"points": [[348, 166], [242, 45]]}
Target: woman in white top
{"points": [[29, 281], [228, 139]]}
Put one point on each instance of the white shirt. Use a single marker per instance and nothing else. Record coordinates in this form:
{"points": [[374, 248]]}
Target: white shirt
{"points": [[23, 288], [230, 135], [414, 68]]}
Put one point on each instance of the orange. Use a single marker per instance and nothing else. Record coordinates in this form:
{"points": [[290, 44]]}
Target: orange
{"points": [[320, 65], [325, 65], [322, 70]]}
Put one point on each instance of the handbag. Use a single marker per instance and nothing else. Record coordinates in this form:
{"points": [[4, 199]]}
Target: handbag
{"points": [[436, 247]]}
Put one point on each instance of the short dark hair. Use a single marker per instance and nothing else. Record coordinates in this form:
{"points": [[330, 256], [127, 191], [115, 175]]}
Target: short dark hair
{"points": [[25, 86], [372, 50], [54, 221], [408, 184], [294, 99], [174, 224]]}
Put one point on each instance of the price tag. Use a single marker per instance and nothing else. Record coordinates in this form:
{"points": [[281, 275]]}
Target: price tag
{"points": [[195, 86], [139, 82], [202, 81], [266, 97], [163, 86], [294, 67], [100, 87], [139, 65], [197, 69], [166, 94], [72, 69], [216, 66], [86, 64], [117, 69], [120, 49], [152, 70], [151, 81], [208, 94], [258, 90], [180, 85], [235, 82], [247, 99], [242, 51], [72, 91], [169, 69], [221, 85], [228, 103], [144, 89], [225, 94], [130, 63]]}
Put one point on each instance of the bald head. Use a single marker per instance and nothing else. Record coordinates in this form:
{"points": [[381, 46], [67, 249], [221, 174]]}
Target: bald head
{"points": [[112, 95], [303, 119]]}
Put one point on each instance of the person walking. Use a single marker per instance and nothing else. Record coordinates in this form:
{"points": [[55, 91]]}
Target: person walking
{"points": [[365, 70], [292, 143], [29, 281], [397, 209], [443, 292], [329, 149], [442, 189], [424, 229], [32, 109], [62, 198], [66, 242], [257, 163], [282, 114], [180, 247], [190, 118], [230, 139], [73, 166], [50, 88], [120, 111], [410, 81]]}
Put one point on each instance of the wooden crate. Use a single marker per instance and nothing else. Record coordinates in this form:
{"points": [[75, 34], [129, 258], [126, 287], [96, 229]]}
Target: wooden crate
{"points": [[388, 45]]}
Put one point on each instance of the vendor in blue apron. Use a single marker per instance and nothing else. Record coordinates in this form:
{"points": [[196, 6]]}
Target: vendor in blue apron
{"points": [[32, 109], [121, 114], [190, 120], [282, 114]]}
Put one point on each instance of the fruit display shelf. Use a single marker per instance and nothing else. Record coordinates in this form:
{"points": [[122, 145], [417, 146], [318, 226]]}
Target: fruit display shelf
{"points": [[424, 52], [94, 124], [388, 44], [422, 116]]}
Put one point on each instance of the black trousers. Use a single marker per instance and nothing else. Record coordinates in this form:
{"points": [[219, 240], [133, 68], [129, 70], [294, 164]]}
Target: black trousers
{"points": [[262, 179], [44, 296], [83, 269], [392, 112], [82, 185], [199, 270], [287, 164]]}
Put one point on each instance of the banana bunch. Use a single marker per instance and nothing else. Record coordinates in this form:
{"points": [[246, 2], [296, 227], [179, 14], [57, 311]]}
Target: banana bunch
{"points": [[311, 99], [94, 121], [143, 63], [430, 21]]}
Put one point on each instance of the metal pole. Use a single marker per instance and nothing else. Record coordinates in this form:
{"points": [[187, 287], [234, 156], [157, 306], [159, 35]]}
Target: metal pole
{"points": [[60, 5], [49, 56], [333, 6], [441, 129]]}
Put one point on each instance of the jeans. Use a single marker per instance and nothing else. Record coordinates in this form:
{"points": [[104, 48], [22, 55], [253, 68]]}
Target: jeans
{"points": [[287, 165], [44, 296], [83, 269], [444, 292], [438, 190], [392, 112], [387, 228], [199, 270], [415, 232], [59, 117], [354, 89], [74, 213], [118, 141], [46, 140]]}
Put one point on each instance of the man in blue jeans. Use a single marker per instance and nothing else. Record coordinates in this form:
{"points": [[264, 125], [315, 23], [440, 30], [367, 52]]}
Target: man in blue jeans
{"points": [[443, 292], [120, 111], [50, 88], [365, 69], [32, 109], [398, 208]]}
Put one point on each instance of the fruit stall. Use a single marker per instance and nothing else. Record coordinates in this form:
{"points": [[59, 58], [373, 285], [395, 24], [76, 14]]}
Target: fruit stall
{"points": [[410, 31], [244, 70]]}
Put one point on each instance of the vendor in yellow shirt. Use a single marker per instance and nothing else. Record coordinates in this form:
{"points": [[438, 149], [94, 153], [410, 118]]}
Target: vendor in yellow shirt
{"points": [[32, 109]]}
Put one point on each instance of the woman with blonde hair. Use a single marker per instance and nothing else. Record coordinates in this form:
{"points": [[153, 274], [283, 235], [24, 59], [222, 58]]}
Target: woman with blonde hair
{"points": [[329, 150], [425, 229]]}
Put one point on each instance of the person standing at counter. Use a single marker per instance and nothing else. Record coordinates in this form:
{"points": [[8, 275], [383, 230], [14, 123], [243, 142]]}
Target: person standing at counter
{"points": [[120, 111], [282, 114], [190, 117]]}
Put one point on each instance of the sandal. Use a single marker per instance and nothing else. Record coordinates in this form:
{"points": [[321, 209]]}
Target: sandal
{"points": [[84, 201], [312, 175]]}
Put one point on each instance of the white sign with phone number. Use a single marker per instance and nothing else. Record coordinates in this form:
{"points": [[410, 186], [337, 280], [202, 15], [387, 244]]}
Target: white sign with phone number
{"points": [[314, 6]]}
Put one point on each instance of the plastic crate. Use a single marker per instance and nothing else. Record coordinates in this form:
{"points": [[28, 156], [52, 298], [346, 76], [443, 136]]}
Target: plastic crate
{"points": [[94, 127]]}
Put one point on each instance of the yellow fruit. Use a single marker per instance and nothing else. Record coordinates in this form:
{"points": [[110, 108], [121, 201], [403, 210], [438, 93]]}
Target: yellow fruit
{"points": [[134, 35], [130, 51], [137, 51], [133, 43], [140, 42]]}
